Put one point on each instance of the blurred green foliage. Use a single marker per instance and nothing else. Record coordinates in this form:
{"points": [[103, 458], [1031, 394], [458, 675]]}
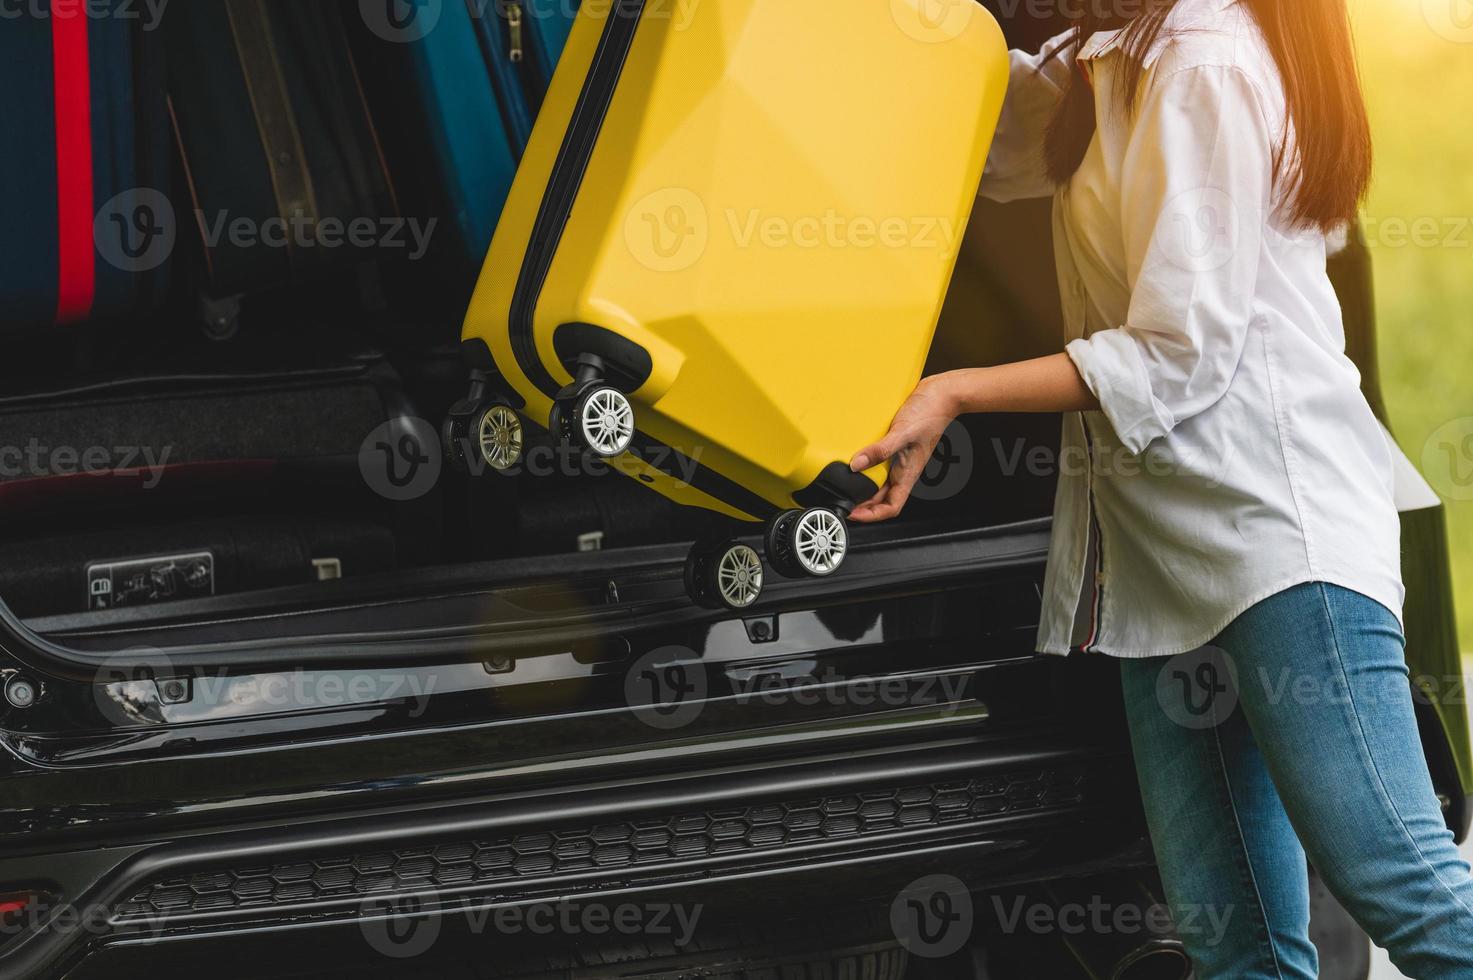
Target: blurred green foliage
{"points": [[1417, 61]]}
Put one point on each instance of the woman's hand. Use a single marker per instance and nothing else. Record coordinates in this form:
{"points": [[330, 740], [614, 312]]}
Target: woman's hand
{"points": [[909, 445], [1044, 384]]}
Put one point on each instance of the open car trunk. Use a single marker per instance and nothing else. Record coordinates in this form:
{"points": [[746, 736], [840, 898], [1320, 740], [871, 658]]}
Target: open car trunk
{"points": [[236, 458], [260, 520]]}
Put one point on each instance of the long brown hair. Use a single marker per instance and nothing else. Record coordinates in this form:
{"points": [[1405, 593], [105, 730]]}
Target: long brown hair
{"points": [[1325, 177]]}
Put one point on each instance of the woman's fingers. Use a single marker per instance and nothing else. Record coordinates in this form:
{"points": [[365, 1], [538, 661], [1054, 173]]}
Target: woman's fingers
{"points": [[871, 509], [908, 446], [882, 506], [874, 511], [906, 465], [877, 452]]}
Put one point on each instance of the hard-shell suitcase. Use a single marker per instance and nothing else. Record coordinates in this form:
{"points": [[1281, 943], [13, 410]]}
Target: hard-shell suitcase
{"points": [[479, 75], [276, 138], [724, 254], [85, 165]]}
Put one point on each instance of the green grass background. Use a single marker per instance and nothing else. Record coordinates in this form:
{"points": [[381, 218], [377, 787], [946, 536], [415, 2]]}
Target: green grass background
{"points": [[1418, 69]]}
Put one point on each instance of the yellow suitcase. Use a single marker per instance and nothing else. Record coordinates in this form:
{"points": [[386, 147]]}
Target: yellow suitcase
{"points": [[725, 252]]}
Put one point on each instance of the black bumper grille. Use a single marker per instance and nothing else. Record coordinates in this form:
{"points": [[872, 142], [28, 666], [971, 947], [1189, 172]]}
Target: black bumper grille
{"points": [[611, 846]]}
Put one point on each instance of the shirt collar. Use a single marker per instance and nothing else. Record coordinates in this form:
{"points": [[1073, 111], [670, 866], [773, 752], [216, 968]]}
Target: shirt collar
{"points": [[1099, 44], [1102, 43]]}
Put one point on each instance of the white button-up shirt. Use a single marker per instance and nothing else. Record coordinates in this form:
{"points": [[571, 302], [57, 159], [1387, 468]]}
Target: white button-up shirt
{"points": [[1235, 455]]}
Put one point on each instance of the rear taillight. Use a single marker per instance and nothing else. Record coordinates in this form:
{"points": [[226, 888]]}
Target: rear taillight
{"points": [[19, 908]]}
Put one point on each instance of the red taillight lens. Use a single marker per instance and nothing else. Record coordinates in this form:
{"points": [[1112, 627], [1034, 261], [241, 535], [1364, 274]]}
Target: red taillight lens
{"points": [[15, 906]]}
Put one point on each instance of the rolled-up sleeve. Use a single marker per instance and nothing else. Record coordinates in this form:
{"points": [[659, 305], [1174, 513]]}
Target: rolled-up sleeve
{"points": [[1196, 189], [1015, 168]]}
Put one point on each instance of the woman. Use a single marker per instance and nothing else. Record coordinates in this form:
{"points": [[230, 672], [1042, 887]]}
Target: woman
{"points": [[1240, 492]]}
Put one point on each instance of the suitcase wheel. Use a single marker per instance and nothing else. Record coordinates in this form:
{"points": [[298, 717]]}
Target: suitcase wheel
{"points": [[499, 436], [491, 429], [810, 542], [727, 575], [599, 420], [777, 542]]}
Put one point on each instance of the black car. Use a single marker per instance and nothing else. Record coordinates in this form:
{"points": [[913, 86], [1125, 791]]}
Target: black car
{"points": [[287, 695]]}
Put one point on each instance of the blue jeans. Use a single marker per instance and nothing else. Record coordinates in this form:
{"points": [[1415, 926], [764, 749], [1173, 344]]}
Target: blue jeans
{"points": [[1294, 733]]}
